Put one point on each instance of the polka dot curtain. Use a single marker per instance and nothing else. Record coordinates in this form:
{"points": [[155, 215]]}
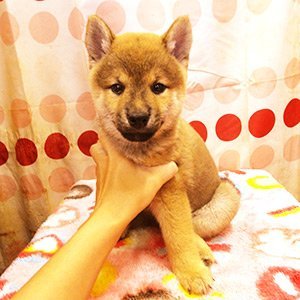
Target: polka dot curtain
{"points": [[243, 94]]}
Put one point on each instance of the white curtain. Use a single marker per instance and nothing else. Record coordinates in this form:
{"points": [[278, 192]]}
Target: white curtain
{"points": [[243, 94]]}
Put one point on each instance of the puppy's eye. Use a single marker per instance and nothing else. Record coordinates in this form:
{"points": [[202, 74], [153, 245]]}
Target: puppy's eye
{"points": [[158, 88], [117, 88]]}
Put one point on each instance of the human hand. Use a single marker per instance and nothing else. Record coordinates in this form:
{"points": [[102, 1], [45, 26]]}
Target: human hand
{"points": [[124, 187]]}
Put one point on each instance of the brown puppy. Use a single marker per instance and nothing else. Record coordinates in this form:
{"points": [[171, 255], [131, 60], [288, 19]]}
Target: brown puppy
{"points": [[138, 83]]}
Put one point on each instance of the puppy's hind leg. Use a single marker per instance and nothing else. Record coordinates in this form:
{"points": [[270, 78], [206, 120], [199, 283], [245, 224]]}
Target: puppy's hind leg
{"points": [[216, 215]]}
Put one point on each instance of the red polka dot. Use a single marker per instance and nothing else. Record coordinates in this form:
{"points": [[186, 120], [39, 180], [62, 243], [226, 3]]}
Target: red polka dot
{"points": [[228, 127], [291, 114], [200, 128], [261, 122], [57, 146], [3, 154], [26, 152], [86, 140]]}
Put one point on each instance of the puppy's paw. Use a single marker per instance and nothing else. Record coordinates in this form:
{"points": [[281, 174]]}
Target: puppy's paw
{"points": [[196, 279], [204, 251]]}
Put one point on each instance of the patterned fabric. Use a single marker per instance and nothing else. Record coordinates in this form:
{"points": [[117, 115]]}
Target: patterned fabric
{"points": [[243, 94], [258, 256]]}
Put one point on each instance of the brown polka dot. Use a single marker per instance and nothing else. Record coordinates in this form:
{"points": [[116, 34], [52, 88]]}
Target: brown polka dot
{"points": [[263, 82], [8, 187], [32, 186], [20, 113], [79, 191], [261, 157], [224, 11], [113, 14], [43, 27], [226, 90], [151, 294], [9, 28], [229, 160], [291, 149], [53, 108], [90, 172], [76, 23], [292, 73], [85, 106], [60, 180], [194, 96], [258, 6]]}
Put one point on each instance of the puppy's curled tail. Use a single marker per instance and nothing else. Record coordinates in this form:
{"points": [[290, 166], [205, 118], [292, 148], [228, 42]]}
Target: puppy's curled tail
{"points": [[216, 215]]}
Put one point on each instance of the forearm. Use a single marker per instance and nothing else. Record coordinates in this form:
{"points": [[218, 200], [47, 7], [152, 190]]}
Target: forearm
{"points": [[86, 251]]}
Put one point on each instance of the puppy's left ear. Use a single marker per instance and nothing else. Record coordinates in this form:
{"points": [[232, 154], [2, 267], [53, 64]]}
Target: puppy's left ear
{"points": [[98, 39], [178, 39]]}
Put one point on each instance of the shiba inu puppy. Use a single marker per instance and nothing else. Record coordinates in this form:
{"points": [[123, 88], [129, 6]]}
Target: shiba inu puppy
{"points": [[138, 83]]}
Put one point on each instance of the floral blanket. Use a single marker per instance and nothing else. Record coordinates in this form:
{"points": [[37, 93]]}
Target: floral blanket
{"points": [[258, 256]]}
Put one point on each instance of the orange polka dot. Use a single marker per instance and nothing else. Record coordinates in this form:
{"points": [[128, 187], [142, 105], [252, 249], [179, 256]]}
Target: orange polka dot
{"points": [[1, 114], [90, 172], [43, 27], [113, 14], [292, 73], [194, 96], [53, 108], [229, 160], [32, 186], [8, 187], [261, 157], [151, 14], [9, 28], [191, 8], [76, 23], [20, 113], [61, 180], [224, 11], [263, 82], [291, 150], [85, 106], [258, 6], [226, 90]]}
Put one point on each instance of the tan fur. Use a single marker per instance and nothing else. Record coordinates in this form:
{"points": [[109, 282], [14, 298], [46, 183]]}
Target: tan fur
{"points": [[138, 60]]}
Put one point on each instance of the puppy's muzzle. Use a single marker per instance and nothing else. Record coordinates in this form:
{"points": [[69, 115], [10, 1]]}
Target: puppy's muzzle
{"points": [[138, 121]]}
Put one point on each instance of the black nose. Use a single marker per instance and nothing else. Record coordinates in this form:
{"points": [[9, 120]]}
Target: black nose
{"points": [[138, 121]]}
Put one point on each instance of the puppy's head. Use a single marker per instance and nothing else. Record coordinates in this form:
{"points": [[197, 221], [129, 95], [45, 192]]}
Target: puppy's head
{"points": [[138, 79]]}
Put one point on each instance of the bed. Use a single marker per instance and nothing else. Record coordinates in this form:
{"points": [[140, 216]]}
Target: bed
{"points": [[257, 257]]}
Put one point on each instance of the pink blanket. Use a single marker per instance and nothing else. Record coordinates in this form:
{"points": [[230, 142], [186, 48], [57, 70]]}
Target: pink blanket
{"points": [[258, 256]]}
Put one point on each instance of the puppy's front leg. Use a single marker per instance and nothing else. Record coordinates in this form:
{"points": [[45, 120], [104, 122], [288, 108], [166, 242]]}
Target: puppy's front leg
{"points": [[172, 210]]}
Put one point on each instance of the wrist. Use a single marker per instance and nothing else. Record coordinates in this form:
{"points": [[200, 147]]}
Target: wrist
{"points": [[112, 216]]}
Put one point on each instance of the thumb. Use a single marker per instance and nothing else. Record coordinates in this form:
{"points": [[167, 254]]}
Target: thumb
{"points": [[97, 152], [166, 171]]}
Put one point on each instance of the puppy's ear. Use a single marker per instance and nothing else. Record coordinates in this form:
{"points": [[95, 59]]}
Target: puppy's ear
{"points": [[178, 39], [98, 39]]}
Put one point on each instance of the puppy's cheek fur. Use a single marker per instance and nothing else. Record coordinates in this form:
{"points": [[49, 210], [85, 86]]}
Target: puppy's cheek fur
{"points": [[173, 109], [106, 114]]}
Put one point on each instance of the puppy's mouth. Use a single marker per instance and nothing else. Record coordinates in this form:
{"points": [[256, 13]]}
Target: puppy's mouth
{"points": [[137, 135]]}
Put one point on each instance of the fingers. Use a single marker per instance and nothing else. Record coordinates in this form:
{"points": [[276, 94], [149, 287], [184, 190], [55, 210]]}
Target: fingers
{"points": [[98, 152], [166, 171]]}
